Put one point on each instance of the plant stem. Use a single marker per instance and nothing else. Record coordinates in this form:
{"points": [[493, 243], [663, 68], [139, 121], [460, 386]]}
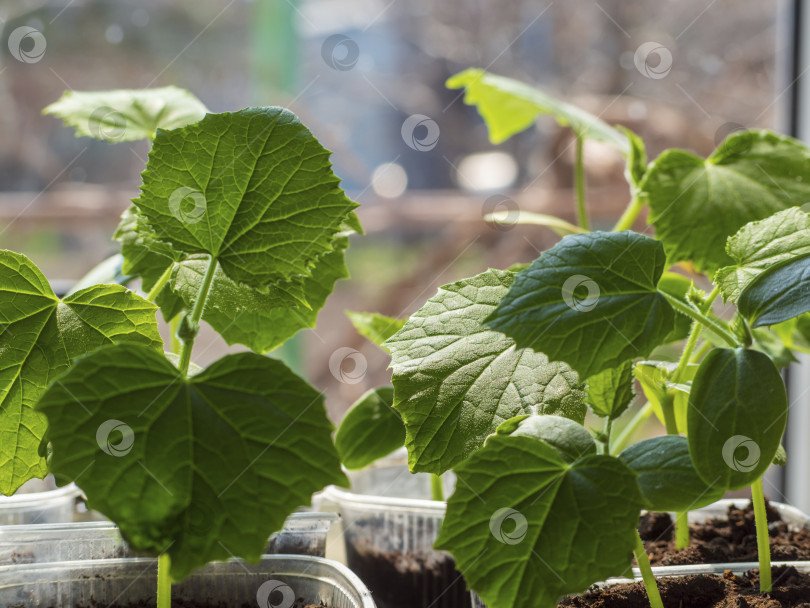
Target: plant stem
{"points": [[579, 179], [161, 283], [174, 341], [164, 586], [763, 541], [641, 415], [630, 214], [686, 355], [607, 431], [682, 530], [702, 318], [700, 352], [436, 489], [196, 315], [647, 574]]}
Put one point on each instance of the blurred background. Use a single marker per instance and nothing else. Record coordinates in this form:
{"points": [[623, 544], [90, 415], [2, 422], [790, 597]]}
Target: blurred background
{"points": [[367, 76]]}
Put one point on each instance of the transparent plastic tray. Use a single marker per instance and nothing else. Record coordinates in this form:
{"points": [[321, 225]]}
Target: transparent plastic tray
{"points": [[39, 501], [275, 581], [302, 534]]}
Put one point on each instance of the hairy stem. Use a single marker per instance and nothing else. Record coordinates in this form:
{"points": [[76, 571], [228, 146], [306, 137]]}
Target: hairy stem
{"points": [[196, 315], [579, 179], [701, 352], [630, 214], [763, 542], [653, 595], [644, 412], [164, 586], [161, 283], [436, 489], [682, 530], [715, 326]]}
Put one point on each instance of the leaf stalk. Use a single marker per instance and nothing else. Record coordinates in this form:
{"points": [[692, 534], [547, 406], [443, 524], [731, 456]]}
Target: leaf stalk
{"points": [[763, 541], [701, 318], [579, 180], [653, 595], [196, 315], [164, 585]]}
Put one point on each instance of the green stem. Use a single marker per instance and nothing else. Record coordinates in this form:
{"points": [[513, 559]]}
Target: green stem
{"points": [[175, 343], [579, 180], [700, 317], [607, 431], [161, 283], [630, 214], [682, 530], [763, 542], [686, 355], [623, 439], [436, 489], [701, 352], [196, 315], [668, 407], [164, 586], [647, 574]]}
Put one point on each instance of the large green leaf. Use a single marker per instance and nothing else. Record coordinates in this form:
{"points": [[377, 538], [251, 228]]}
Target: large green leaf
{"points": [[455, 381], [509, 106], [526, 527], [737, 415], [666, 477], [374, 326], [677, 286], [610, 391], [696, 203], [204, 467], [778, 294], [41, 337], [762, 246], [591, 301], [253, 188], [571, 440], [371, 429], [127, 115]]}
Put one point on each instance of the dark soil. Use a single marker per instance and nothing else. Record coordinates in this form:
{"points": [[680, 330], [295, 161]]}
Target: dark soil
{"points": [[790, 590], [179, 603], [722, 540]]}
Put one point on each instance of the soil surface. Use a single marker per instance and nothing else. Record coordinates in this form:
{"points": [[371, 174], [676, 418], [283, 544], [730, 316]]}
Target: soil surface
{"points": [[790, 590], [722, 540]]}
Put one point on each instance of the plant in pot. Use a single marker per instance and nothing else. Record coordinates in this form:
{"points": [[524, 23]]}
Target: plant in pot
{"points": [[240, 223], [493, 376]]}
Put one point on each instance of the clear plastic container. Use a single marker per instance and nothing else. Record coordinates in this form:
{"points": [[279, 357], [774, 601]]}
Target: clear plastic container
{"points": [[718, 510], [389, 538], [277, 581], [39, 501], [302, 534]]}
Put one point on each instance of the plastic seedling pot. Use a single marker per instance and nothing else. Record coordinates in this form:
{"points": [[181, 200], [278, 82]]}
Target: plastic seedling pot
{"points": [[283, 581], [302, 534], [389, 528], [39, 501]]}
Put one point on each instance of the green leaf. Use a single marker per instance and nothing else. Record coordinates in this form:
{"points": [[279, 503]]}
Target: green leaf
{"points": [[374, 326], [40, 337], [780, 459], [455, 381], [204, 467], [509, 106], [762, 246], [253, 188], [677, 286], [737, 415], [591, 301], [636, 158], [371, 429], [610, 392], [571, 440], [510, 218], [696, 203], [778, 294], [666, 477], [127, 115], [525, 527]]}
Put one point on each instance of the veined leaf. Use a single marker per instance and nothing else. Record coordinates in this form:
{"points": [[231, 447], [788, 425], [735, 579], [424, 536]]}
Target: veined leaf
{"points": [[696, 203], [455, 381], [610, 392], [571, 440], [677, 286], [41, 337], [374, 326], [737, 415], [591, 301], [778, 294], [204, 467], [371, 429], [509, 106], [666, 477], [526, 527], [127, 115], [761, 246], [253, 188]]}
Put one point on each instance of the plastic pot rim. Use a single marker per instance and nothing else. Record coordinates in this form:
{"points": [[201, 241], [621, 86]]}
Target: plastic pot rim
{"points": [[34, 499]]}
